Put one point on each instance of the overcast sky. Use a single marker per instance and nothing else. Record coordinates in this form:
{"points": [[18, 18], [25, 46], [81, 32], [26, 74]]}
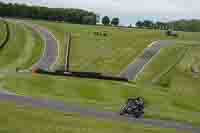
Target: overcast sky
{"points": [[129, 10]]}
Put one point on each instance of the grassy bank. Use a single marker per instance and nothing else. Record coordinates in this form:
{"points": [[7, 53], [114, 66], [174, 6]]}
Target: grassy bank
{"points": [[23, 48], [16, 119], [174, 101], [161, 103], [3, 32], [90, 52], [162, 62], [106, 54], [172, 64]]}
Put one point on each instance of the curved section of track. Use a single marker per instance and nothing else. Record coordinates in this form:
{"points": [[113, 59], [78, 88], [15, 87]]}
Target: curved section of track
{"points": [[131, 71], [60, 106], [50, 51]]}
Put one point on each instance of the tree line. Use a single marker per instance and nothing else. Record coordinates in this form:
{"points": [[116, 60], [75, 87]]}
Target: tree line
{"points": [[179, 25], [106, 21], [186, 25], [77, 16], [152, 25]]}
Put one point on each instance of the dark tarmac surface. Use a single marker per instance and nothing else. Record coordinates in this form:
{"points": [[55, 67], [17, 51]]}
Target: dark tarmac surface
{"points": [[50, 50]]}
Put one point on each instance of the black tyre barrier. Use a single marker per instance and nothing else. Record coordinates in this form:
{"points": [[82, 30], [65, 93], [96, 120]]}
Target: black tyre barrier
{"points": [[92, 75], [7, 35]]}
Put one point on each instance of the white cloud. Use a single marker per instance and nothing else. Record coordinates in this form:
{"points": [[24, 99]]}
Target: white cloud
{"points": [[164, 9]]}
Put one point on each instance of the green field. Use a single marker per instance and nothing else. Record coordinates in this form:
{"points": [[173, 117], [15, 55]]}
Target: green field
{"points": [[23, 48], [172, 69], [3, 32], [168, 99], [109, 54], [162, 62], [23, 119], [102, 54], [161, 103], [181, 75], [172, 63]]}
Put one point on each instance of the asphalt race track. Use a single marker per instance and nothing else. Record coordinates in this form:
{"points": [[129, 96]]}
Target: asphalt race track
{"points": [[50, 51], [60, 106]]}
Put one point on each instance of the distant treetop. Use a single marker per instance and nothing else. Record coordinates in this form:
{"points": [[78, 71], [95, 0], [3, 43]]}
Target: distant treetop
{"points": [[115, 21], [78, 16], [106, 20]]}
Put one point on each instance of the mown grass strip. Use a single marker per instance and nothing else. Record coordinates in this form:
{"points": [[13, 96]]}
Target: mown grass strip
{"points": [[162, 62], [6, 34], [23, 48], [179, 58]]}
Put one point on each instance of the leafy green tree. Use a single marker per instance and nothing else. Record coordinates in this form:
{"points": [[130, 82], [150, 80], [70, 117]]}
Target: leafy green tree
{"points": [[88, 20], [106, 20], [139, 24], [162, 26], [148, 24], [185, 25], [115, 21]]}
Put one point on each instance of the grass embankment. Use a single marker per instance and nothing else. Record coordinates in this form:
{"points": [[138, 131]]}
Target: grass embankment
{"points": [[3, 30], [164, 103], [3, 33], [106, 54], [182, 76], [23, 48], [162, 62], [102, 54], [25, 119], [172, 62], [175, 71], [161, 103]]}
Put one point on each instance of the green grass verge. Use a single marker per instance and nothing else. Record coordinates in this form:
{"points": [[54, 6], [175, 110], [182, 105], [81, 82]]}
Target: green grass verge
{"points": [[181, 77], [172, 64], [23, 119], [162, 62], [23, 48], [3, 32], [175, 75], [109, 54], [101, 54], [161, 103]]}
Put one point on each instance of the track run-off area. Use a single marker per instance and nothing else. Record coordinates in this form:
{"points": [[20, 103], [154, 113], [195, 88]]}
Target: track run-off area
{"points": [[48, 59], [60, 106]]}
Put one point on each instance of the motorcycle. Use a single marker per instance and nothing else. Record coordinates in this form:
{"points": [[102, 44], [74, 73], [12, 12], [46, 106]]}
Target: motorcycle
{"points": [[134, 107]]}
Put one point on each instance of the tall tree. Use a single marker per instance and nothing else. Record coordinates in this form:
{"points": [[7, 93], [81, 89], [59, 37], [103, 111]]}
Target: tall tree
{"points": [[106, 20], [148, 23], [115, 21], [139, 24]]}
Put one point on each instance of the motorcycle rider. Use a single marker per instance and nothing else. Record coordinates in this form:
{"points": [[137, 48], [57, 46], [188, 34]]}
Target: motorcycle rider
{"points": [[139, 102], [132, 105]]}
